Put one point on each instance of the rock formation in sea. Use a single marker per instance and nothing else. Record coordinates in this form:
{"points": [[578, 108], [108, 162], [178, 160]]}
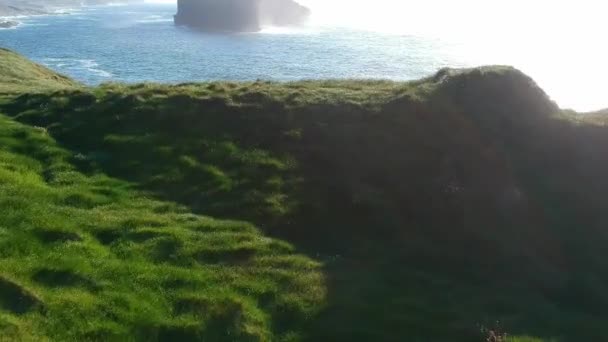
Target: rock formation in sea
{"points": [[4, 24], [239, 15]]}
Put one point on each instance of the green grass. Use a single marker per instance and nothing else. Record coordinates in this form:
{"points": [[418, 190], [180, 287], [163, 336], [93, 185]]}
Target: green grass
{"points": [[17, 75], [316, 210], [88, 257], [526, 339]]}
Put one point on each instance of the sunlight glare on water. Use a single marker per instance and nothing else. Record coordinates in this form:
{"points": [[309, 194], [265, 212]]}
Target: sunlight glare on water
{"points": [[561, 46], [559, 43]]}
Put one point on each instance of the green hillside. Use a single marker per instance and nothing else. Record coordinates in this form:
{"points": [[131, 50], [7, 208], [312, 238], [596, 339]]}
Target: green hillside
{"points": [[307, 211], [18, 74]]}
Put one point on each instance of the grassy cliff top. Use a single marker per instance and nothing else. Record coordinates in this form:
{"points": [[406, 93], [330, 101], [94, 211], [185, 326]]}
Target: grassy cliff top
{"points": [[18, 74], [305, 211]]}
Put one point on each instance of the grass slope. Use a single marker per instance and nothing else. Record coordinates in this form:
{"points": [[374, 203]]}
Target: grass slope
{"points": [[18, 74], [425, 209], [87, 257]]}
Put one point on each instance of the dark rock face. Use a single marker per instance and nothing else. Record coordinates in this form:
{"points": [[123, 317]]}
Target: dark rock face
{"points": [[239, 15]]}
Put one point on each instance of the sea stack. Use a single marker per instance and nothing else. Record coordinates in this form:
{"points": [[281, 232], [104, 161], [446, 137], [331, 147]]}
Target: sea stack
{"points": [[239, 15]]}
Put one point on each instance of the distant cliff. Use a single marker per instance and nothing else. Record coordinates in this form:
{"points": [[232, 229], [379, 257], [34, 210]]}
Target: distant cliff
{"points": [[9, 8], [239, 15]]}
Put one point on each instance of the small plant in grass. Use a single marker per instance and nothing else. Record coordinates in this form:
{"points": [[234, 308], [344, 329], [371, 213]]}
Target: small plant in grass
{"points": [[494, 334]]}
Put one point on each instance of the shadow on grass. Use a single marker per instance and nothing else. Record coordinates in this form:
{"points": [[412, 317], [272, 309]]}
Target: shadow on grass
{"points": [[432, 218], [17, 299]]}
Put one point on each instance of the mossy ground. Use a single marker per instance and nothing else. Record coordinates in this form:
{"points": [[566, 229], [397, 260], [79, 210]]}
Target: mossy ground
{"points": [[319, 210]]}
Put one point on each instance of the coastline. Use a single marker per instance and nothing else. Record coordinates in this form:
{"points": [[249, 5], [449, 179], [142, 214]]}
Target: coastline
{"points": [[14, 10], [19, 8], [9, 22]]}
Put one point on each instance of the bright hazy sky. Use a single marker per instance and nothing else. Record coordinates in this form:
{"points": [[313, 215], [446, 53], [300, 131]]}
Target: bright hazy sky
{"points": [[561, 43], [470, 16], [512, 17]]}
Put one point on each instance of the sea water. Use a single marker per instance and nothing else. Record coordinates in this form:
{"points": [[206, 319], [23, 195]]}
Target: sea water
{"points": [[137, 43]]}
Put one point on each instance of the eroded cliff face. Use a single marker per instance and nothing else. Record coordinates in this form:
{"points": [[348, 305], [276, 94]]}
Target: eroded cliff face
{"points": [[239, 15]]}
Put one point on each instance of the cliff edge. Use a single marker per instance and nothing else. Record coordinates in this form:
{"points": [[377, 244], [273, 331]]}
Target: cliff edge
{"points": [[239, 15], [18, 74]]}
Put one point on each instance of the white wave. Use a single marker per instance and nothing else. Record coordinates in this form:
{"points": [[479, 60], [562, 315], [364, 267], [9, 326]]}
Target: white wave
{"points": [[93, 67], [110, 4], [9, 17], [52, 11], [84, 18], [65, 11], [154, 19], [87, 65], [299, 30], [33, 24]]}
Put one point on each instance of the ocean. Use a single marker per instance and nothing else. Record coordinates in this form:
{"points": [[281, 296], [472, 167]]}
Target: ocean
{"points": [[137, 43]]}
